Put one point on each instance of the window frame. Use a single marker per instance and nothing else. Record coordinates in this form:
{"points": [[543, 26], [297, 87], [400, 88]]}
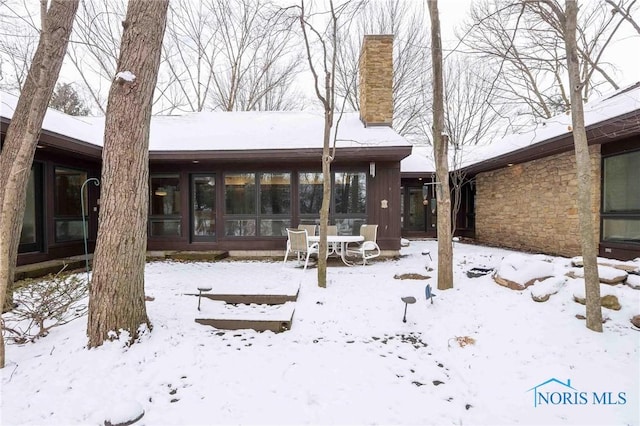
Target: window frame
{"points": [[257, 217], [622, 214], [69, 218], [37, 172], [192, 210], [174, 217], [334, 218]]}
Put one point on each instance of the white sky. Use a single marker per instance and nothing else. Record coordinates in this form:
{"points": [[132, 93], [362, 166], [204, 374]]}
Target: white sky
{"points": [[623, 50]]}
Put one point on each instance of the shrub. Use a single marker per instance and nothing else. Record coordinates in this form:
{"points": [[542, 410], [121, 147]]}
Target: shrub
{"points": [[44, 304]]}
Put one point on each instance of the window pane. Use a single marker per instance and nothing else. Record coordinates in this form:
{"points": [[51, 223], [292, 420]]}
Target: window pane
{"points": [[310, 188], [240, 228], [165, 195], [204, 212], [275, 193], [240, 193], [67, 230], [621, 230], [28, 234], [67, 196], [622, 182], [165, 228], [350, 193], [274, 228], [349, 226]]}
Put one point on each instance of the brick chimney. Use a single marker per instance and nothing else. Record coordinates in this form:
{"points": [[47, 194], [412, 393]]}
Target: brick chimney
{"points": [[376, 80]]}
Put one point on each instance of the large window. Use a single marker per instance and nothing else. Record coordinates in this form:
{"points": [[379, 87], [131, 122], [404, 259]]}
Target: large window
{"points": [[621, 198], [310, 188], [31, 234], [348, 207], [203, 198], [350, 202], [28, 234], [257, 204], [67, 204], [164, 212]]}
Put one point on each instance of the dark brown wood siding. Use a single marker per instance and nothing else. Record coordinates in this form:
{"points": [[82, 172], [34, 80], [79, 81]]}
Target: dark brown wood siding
{"points": [[383, 204]]}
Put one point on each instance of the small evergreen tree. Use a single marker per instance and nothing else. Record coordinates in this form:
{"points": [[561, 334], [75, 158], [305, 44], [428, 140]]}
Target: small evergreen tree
{"points": [[66, 99]]}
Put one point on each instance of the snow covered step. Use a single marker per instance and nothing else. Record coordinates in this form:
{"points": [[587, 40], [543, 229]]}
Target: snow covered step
{"points": [[261, 317], [253, 293], [256, 299]]}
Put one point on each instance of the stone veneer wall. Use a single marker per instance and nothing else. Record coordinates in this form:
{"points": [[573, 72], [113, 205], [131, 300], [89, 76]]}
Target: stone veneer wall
{"points": [[376, 80], [532, 206]]}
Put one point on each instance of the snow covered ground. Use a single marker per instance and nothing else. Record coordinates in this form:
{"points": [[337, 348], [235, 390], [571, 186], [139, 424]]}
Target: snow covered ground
{"points": [[477, 355]]}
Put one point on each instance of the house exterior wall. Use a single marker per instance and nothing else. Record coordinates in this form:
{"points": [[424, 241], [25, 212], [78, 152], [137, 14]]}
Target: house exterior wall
{"points": [[376, 80], [48, 161], [383, 204], [420, 219], [383, 186], [532, 206]]}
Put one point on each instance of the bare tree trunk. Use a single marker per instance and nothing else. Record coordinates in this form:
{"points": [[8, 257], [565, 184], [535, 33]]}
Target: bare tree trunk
{"points": [[440, 148], [328, 64], [326, 198], [583, 168], [116, 294], [22, 136]]}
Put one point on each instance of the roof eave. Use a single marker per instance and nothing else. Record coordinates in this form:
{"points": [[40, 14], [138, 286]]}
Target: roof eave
{"points": [[390, 153], [603, 132]]}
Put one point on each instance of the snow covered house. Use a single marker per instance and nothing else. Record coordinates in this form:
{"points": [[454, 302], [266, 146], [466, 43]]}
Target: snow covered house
{"points": [[229, 181], [521, 191]]}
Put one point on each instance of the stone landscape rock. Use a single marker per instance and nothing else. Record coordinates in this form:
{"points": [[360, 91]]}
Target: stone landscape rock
{"points": [[636, 321], [609, 301], [606, 274], [507, 283], [633, 281], [542, 291], [518, 272], [623, 266], [540, 298], [614, 280]]}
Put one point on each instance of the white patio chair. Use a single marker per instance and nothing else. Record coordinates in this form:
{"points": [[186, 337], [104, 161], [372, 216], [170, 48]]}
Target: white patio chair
{"points": [[311, 229], [368, 249], [298, 243]]}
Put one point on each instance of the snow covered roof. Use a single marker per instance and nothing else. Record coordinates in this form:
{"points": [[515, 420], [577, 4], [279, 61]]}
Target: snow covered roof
{"points": [[220, 131], [80, 128], [419, 162], [234, 131], [617, 104], [606, 108]]}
